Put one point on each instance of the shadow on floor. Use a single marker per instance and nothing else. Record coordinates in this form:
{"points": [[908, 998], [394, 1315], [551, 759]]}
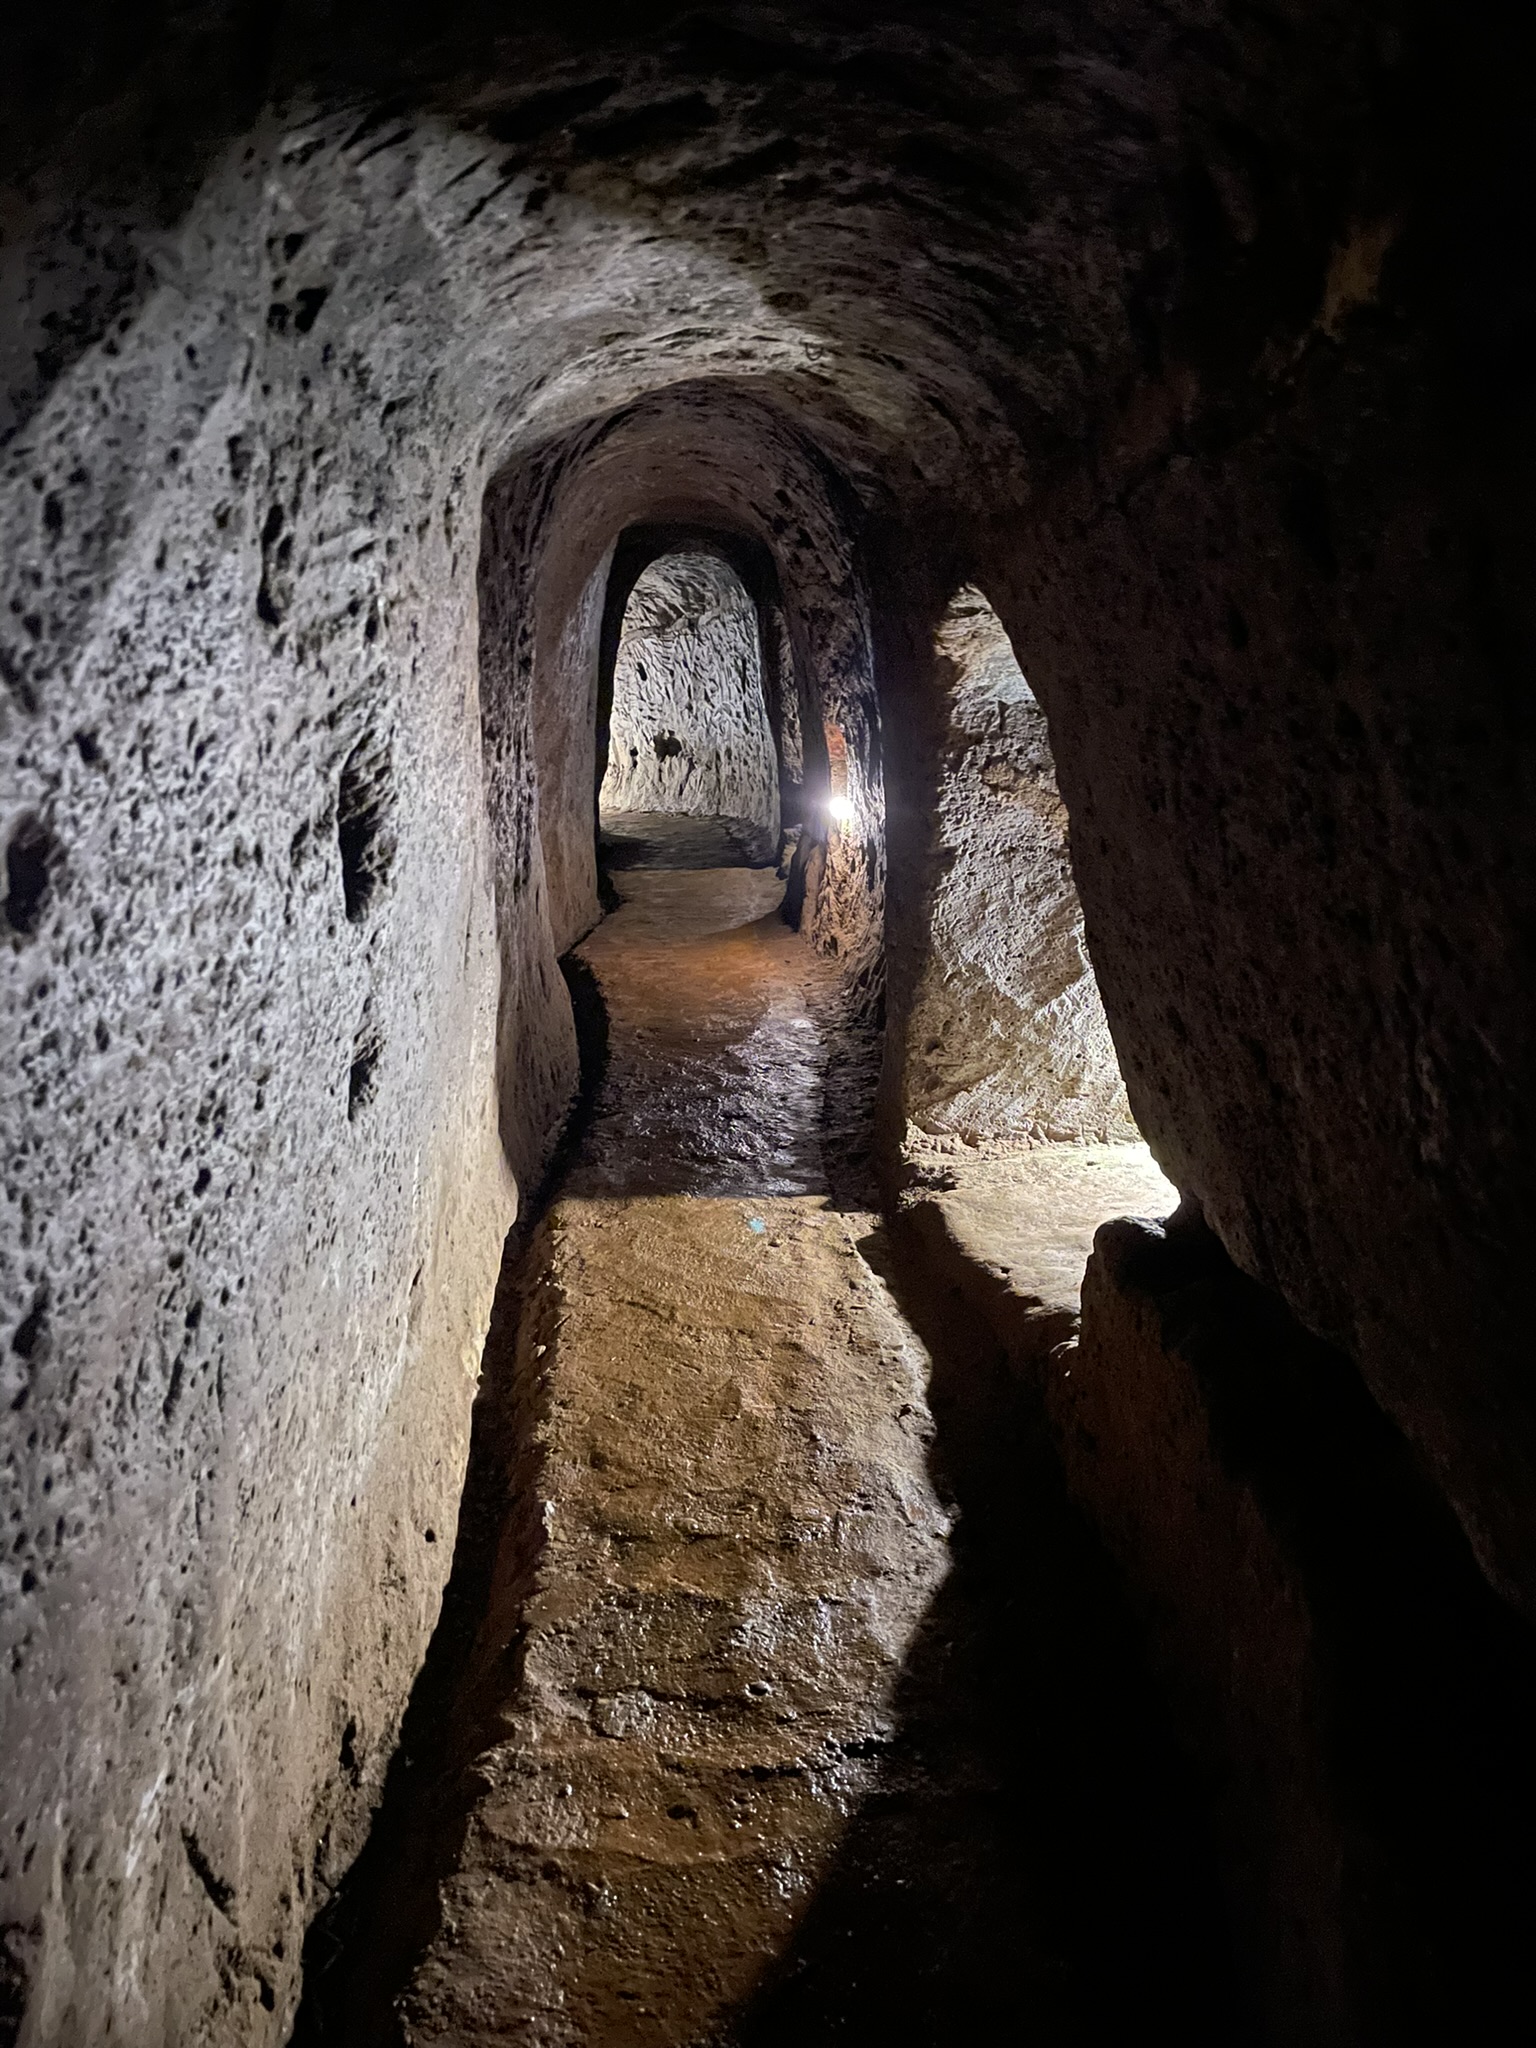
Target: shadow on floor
{"points": [[364, 1944], [1037, 1862]]}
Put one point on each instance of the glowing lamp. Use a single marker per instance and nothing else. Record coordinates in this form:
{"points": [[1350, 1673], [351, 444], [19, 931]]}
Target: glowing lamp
{"points": [[840, 810]]}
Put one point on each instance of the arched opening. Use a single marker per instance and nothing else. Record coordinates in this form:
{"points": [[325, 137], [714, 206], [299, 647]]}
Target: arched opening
{"points": [[688, 732], [718, 992], [1006, 1099]]}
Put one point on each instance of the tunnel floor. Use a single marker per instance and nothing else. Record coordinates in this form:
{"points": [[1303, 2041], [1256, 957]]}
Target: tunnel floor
{"points": [[802, 1705]]}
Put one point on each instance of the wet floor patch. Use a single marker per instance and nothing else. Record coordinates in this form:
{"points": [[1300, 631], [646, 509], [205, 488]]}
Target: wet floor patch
{"points": [[737, 1538], [717, 1053]]}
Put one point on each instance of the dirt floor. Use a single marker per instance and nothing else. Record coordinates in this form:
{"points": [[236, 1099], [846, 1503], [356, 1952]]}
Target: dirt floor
{"points": [[781, 1699]]}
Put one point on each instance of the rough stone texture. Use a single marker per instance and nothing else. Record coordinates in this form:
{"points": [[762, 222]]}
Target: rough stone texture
{"points": [[1362, 1698], [739, 1538], [1357, 1695], [1004, 1033], [543, 899], [1193, 339], [254, 1197], [1319, 779], [1229, 1611], [1019, 1228], [688, 731]]}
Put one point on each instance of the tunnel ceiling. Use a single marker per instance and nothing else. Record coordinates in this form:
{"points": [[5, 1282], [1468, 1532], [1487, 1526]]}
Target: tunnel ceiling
{"points": [[968, 233]]}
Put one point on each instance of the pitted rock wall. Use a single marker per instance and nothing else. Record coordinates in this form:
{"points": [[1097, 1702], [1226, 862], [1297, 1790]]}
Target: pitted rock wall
{"points": [[1005, 1036], [689, 732], [1193, 341], [270, 1089]]}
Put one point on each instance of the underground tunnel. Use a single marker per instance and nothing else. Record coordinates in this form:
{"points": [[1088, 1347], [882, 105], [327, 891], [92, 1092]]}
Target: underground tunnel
{"points": [[767, 1061]]}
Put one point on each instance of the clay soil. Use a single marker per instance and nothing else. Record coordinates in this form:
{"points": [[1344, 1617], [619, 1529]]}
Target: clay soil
{"points": [[780, 1696]]}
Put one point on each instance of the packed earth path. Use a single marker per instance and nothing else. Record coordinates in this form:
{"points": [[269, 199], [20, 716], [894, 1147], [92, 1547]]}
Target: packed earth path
{"points": [[800, 1704]]}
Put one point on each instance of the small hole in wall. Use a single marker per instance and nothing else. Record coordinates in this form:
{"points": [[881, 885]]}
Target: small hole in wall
{"points": [[17, 1967], [31, 857], [363, 807], [362, 1079], [267, 606], [310, 301], [31, 1333]]}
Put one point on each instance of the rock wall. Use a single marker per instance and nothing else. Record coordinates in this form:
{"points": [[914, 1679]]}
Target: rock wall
{"points": [[254, 1002], [1302, 831], [254, 1195], [1359, 1695], [1004, 1036], [284, 1010], [1354, 1696], [1195, 344], [688, 731]]}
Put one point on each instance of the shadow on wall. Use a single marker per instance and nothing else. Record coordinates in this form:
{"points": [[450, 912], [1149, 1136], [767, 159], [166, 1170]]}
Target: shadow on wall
{"points": [[1360, 1698]]}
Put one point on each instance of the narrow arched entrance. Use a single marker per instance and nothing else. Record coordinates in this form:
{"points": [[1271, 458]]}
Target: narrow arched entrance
{"points": [[688, 729]]}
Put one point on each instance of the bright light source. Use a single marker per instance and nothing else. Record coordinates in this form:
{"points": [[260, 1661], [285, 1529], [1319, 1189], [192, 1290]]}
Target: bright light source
{"points": [[840, 810]]}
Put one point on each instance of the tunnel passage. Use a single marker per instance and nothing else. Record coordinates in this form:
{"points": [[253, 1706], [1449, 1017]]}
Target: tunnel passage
{"points": [[734, 1699], [336, 358], [732, 1748], [688, 728]]}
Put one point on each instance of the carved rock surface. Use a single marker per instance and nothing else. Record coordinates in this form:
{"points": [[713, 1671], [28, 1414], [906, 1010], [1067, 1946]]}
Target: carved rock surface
{"points": [[1005, 1034], [689, 732], [337, 354]]}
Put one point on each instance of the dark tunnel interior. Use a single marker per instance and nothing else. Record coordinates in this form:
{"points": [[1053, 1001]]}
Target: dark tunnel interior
{"points": [[767, 786]]}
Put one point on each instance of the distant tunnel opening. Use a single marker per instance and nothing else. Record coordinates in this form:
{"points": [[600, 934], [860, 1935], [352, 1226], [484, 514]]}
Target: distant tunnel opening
{"points": [[689, 741]]}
